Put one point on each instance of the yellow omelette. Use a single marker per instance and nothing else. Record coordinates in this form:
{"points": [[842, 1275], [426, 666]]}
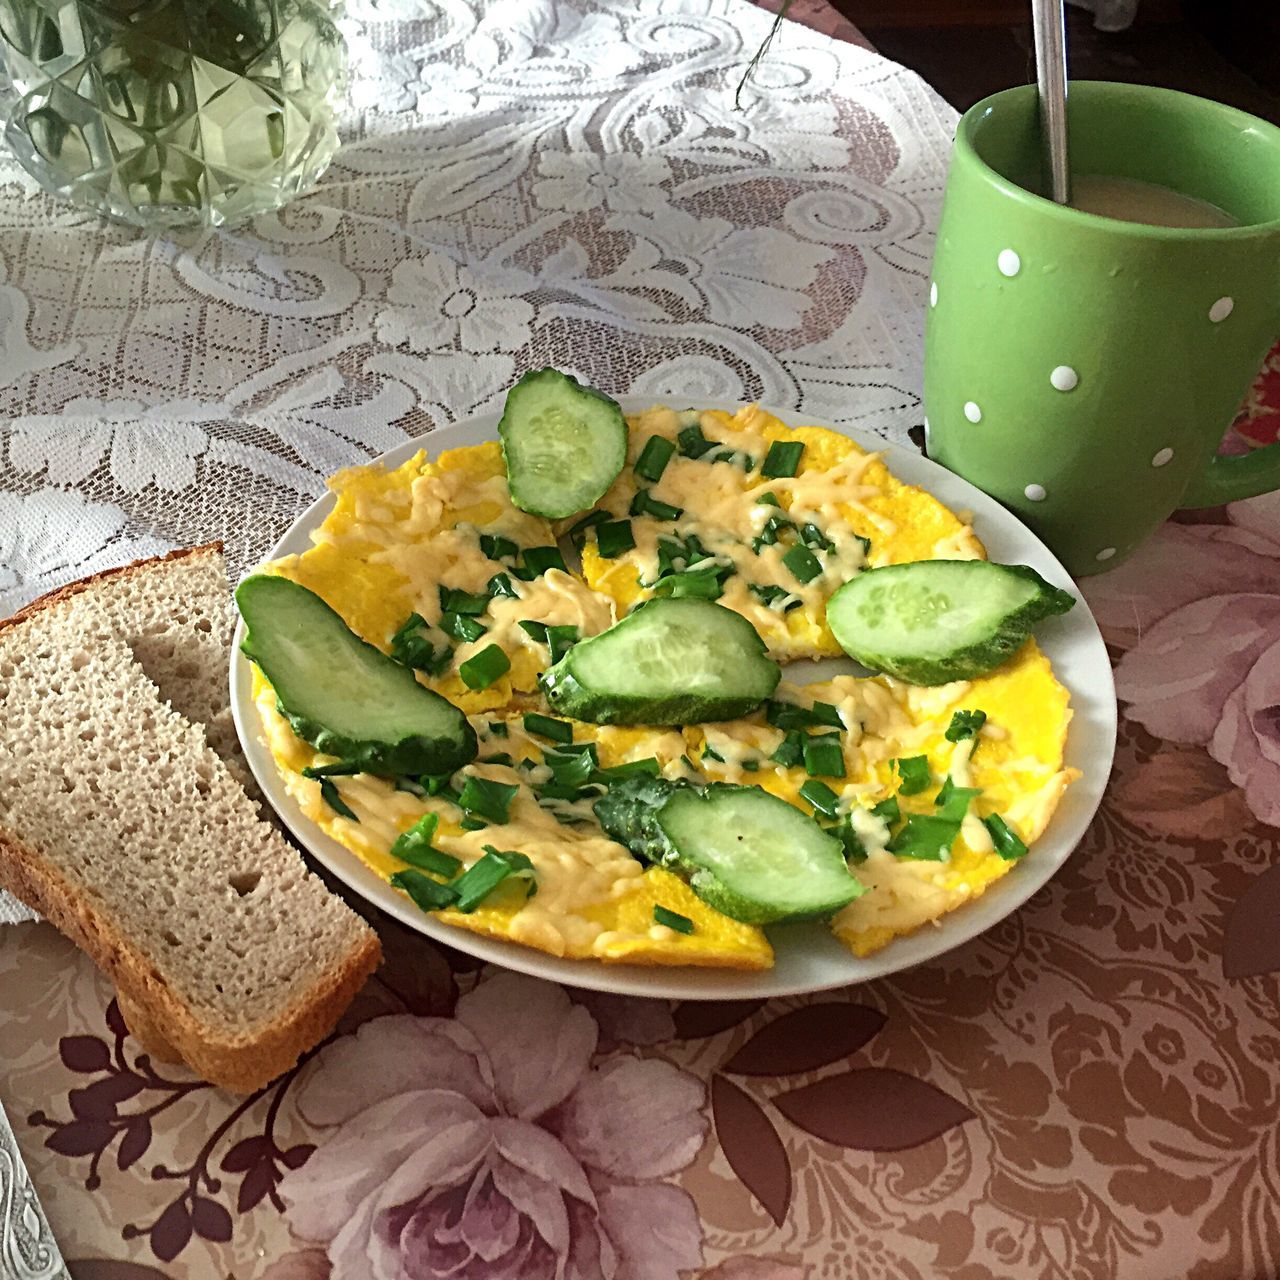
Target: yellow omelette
{"points": [[395, 537], [842, 505], [1016, 760]]}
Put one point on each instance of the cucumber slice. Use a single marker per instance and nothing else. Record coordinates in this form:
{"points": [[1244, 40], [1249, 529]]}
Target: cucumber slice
{"points": [[672, 661], [342, 695], [744, 852], [564, 444], [934, 621]]}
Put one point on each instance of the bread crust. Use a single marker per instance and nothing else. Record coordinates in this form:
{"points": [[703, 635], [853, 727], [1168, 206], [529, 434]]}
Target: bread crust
{"points": [[166, 1028], [71, 589], [155, 1015]]}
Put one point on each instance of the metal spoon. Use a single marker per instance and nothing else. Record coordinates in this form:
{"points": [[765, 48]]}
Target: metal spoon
{"points": [[1050, 25]]}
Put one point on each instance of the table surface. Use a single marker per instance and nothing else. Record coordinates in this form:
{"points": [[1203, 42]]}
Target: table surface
{"points": [[1089, 1090]]}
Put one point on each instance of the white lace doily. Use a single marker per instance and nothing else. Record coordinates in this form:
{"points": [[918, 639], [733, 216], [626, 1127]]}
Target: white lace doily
{"points": [[523, 182]]}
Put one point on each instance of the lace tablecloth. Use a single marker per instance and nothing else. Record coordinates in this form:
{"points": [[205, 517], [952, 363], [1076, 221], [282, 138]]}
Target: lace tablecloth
{"points": [[1088, 1091]]}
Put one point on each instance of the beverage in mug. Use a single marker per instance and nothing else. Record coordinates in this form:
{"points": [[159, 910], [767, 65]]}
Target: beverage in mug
{"points": [[1083, 363]]}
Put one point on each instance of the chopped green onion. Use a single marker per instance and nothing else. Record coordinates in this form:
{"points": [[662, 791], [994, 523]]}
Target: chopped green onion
{"points": [[558, 639], [561, 639], [672, 919], [648, 767], [548, 727], [412, 649], [538, 560], [890, 810], [751, 766], [487, 799], [1008, 843], [559, 791], [480, 671], [824, 756], [653, 459], [734, 457], [790, 750], [329, 794], [470, 823], [812, 536], [854, 849], [914, 774], [414, 847], [501, 585], [410, 786], [710, 753], [698, 584], [500, 757], [965, 724], [787, 715], [769, 595], [573, 769], [343, 769], [768, 500], [769, 532], [427, 894], [645, 505], [438, 784], [577, 532], [495, 547], [498, 728], [693, 444], [462, 627], [824, 800], [454, 600], [615, 537], [926, 837], [866, 544], [480, 879], [953, 801], [783, 458], [803, 563]]}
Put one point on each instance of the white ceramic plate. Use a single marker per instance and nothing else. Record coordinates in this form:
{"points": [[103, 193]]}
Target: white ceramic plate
{"points": [[808, 958]]}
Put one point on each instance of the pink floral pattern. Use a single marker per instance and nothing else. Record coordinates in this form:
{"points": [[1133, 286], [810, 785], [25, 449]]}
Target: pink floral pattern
{"points": [[488, 1147], [1200, 607]]}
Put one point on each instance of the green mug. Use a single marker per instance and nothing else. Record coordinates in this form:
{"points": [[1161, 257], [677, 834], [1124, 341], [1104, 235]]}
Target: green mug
{"points": [[1081, 369]]}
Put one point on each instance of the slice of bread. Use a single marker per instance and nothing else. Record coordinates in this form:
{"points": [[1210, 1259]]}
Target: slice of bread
{"points": [[175, 614], [121, 825]]}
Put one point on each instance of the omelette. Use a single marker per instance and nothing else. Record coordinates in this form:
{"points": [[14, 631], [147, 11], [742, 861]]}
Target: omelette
{"points": [[416, 550], [398, 540], [841, 510]]}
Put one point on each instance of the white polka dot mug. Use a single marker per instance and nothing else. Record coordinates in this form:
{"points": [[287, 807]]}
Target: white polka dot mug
{"points": [[1083, 369]]}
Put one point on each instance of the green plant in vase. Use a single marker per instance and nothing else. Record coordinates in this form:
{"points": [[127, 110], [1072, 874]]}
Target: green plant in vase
{"points": [[172, 112]]}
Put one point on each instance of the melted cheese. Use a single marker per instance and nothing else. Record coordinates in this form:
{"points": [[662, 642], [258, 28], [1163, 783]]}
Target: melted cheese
{"points": [[594, 900], [847, 493], [395, 537], [1018, 766]]}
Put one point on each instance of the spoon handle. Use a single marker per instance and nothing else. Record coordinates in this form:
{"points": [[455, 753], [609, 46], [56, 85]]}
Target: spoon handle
{"points": [[1050, 25]]}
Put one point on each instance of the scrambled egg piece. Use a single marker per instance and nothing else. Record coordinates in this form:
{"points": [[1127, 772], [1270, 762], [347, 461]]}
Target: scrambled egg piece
{"points": [[395, 537], [1016, 760], [842, 505], [593, 901]]}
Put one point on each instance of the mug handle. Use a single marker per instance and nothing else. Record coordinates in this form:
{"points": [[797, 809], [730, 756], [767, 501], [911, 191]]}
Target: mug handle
{"points": [[1232, 479]]}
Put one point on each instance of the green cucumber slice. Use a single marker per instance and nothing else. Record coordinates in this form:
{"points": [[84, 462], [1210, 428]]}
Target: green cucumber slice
{"points": [[934, 621], [743, 851], [342, 695], [671, 661], [564, 444]]}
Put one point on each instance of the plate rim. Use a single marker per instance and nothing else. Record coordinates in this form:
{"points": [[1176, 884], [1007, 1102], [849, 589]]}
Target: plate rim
{"points": [[1094, 710]]}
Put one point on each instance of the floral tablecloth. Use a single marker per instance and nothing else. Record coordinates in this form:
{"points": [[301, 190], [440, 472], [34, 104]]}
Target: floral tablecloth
{"points": [[1088, 1091]]}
